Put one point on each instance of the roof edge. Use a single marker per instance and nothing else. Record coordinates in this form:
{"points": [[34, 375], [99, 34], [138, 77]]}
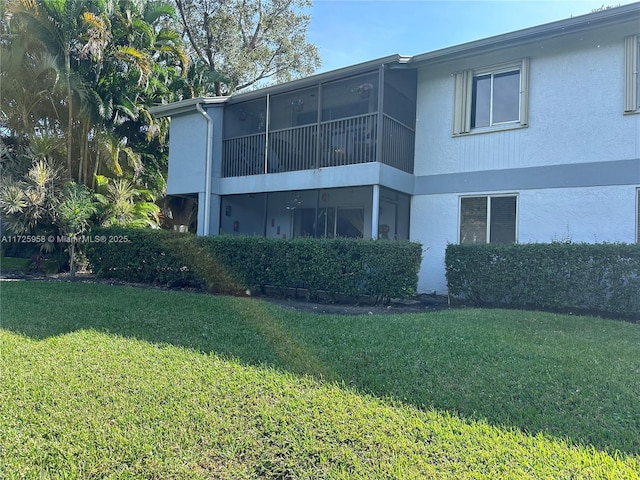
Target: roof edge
{"points": [[323, 77], [185, 106], [609, 16], [566, 26]]}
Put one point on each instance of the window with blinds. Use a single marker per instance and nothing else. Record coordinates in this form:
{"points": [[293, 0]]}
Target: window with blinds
{"points": [[488, 219]]}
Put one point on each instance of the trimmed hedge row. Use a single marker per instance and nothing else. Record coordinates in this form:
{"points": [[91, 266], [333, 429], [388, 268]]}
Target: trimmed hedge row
{"points": [[232, 264], [595, 277]]}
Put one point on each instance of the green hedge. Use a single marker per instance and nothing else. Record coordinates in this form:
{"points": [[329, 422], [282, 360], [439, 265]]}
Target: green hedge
{"points": [[596, 277], [140, 256], [232, 264]]}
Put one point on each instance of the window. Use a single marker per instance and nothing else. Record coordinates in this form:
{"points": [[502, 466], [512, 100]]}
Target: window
{"points": [[495, 99], [492, 97], [488, 217], [631, 75]]}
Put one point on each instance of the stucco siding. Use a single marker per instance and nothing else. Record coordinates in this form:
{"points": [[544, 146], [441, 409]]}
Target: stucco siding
{"points": [[329, 177], [434, 223], [187, 155], [594, 214], [575, 110]]}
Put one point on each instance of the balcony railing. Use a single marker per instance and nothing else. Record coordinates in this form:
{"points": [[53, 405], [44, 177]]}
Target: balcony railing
{"points": [[398, 144], [346, 141]]}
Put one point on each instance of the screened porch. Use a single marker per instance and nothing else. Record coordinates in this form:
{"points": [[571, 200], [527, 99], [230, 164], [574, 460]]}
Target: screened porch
{"points": [[353, 212], [343, 122]]}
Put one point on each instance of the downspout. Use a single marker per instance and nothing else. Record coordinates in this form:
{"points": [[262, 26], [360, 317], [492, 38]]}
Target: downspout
{"points": [[375, 211], [207, 174]]}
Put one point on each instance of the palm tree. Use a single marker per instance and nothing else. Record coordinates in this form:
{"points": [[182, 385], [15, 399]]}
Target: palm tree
{"points": [[29, 200], [142, 64], [75, 210], [64, 32], [126, 205], [87, 72]]}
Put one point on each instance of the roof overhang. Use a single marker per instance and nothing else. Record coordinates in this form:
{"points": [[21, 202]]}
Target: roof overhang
{"points": [[349, 71], [582, 23], [185, 106]]}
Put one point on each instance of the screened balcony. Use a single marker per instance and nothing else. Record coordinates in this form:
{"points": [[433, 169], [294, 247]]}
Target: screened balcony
{"points": [[345, 122]]}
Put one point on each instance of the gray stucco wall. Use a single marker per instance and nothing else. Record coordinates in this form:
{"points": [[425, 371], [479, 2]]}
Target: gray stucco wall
{"points": [[187, 155]]}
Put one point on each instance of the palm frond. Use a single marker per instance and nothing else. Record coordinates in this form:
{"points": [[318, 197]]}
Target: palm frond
{"points": [[155, 10], [12, 199]]}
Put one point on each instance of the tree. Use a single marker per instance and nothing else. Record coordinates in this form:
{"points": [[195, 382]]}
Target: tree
{"points": [[248, 42], [76, 207], [77, 80], [30, 191], [66, 31], [125, 205], [88, 72]]}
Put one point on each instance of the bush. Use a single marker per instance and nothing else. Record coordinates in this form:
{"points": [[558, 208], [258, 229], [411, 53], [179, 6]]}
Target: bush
{"points": [[596, 277], [142, 256], [233, 264]]}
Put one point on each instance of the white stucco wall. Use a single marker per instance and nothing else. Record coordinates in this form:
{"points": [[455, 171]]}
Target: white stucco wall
{"points": [[575, 109], [434, 223], [575, 118], [594, 214]]}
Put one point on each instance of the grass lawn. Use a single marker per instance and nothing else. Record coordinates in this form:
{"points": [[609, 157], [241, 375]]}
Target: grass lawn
{"points": [[101, 381], [11, 263]]}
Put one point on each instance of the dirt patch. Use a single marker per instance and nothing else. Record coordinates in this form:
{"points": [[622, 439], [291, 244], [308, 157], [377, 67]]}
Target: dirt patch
{"points": [[418, 304]]}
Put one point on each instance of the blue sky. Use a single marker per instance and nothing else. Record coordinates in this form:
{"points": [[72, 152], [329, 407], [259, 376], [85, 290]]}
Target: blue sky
{"points": [[353, 31]]}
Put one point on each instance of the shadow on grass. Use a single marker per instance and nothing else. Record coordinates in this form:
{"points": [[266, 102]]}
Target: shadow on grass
{"points": [[537, 372]]}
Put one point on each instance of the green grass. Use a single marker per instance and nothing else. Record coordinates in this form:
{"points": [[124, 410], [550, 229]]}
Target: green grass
{"points": [[14, 263], [114, 382]]}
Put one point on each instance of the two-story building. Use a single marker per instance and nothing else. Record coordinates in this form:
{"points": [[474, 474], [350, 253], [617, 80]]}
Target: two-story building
{"points": [[530, 136]]}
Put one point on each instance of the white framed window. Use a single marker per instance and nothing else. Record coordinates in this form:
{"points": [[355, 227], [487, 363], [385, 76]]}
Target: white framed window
{"points": [[491, 98], [488, 219], [631, 74]]}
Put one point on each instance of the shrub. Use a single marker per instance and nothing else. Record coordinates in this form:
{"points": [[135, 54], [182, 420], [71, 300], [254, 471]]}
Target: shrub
{"points": [[233, 264], [559, 275], [143, 256]]}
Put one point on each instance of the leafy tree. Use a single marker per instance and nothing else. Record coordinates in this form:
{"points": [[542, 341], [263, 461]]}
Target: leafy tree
{"points": [[30, 194], [77, 80], [247, 42], [64, 31], [75, 210], [88, 72], [125, 205]]}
